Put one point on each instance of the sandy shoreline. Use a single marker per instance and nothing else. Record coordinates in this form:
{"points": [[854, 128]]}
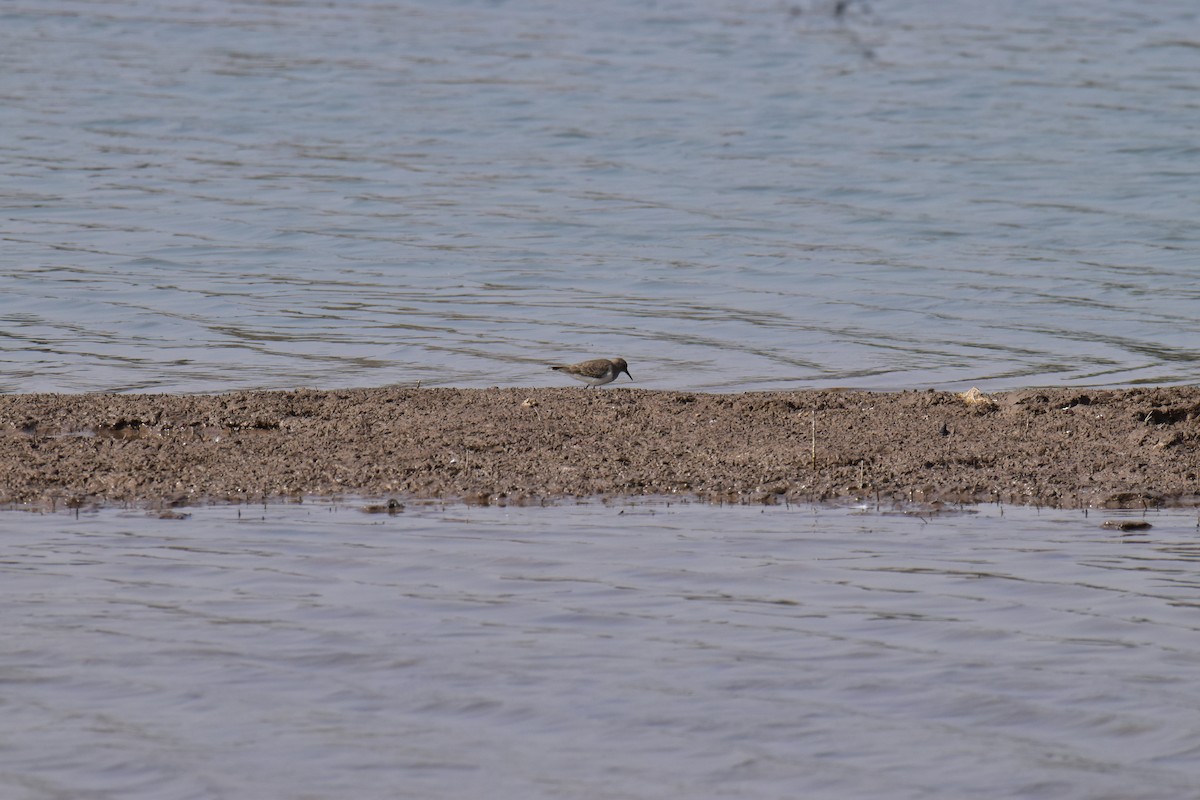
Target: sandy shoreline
{"points": [[1061, 447]]}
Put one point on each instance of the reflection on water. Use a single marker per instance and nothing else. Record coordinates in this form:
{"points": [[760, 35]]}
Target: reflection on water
{"points": [[622, 651], [202, 197]]}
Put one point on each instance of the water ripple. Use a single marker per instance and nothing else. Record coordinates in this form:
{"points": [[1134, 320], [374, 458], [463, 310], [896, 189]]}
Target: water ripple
{"points": [[578, 651], [732, 195]]}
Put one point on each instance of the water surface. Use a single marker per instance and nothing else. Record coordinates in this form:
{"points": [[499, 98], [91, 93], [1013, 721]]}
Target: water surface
{"points": [[731, 194], [646, 651]]}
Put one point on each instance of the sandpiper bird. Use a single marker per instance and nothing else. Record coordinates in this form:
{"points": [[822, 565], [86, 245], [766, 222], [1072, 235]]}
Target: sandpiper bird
{"points": [[596, 372]]}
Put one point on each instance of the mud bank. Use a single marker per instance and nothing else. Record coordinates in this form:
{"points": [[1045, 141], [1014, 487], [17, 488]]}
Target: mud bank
{"points": [[1070, 448]]}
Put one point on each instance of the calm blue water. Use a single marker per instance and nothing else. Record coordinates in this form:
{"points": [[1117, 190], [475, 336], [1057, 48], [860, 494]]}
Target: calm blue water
{"points": [[731, 194], [598, 652]]}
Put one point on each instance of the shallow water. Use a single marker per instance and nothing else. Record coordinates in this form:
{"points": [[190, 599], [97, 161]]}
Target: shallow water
{"points": [[732, 194], [645, 651]]}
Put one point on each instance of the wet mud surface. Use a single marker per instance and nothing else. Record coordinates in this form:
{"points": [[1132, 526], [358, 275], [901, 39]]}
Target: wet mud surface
{"points": [[1069, 448]]}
